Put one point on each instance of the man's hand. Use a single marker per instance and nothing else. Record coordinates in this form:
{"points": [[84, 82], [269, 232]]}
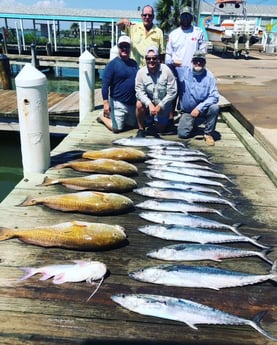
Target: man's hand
{"points": [[195, 112]]}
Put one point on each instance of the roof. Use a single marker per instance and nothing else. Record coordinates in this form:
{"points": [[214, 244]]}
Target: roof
{"points": [[67, 14]]}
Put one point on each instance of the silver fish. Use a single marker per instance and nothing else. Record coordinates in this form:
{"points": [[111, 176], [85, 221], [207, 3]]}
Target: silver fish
{"points": [[172, 148], [186, 311], [182, 233], [163, 162], [176, 206], [214, 252], [133, 141], [170, 176], [188, 196], [177, 152], [200, 276], [181, 186], [178, 158], [192, 172], [185, 220]]}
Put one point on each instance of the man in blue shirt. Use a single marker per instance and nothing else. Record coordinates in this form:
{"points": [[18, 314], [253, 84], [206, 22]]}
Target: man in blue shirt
{"points": [[198, 98], [118, 90]]}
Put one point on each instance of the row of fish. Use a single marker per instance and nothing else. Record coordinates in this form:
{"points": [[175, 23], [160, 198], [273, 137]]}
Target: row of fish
{"points": [[183, 185]]}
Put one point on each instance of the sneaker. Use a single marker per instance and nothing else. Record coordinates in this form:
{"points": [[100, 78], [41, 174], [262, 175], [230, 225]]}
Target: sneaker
{"points": [[209, 140], [140, 133], [151, 130]]}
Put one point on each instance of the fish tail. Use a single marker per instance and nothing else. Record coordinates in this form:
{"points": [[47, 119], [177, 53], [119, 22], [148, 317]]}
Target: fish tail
{"points": [[274, 271], [29, 272], [59, 166], [254, 240], [226, 189], [6, 233], [48, 181], [27, 202], [263, 255], [234, 207], [256, 324]]}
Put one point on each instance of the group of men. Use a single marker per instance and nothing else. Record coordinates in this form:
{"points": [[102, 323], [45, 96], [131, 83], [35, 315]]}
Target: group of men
{"points": [[144, 85]]}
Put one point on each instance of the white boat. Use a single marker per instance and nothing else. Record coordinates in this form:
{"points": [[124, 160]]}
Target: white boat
{"points": [[237, 33]]}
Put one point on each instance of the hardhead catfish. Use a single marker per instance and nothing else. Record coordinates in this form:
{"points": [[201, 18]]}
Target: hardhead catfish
{"points": [[186, 311], [128, 154]]}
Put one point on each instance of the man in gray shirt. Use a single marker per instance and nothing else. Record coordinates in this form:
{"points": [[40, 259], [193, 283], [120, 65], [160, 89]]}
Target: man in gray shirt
{"points": [[156, 87]]}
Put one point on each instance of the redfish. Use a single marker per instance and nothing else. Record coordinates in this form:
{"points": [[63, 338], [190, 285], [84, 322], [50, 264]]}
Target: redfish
{"points": [[96, 203], [127, 154], [100, 166], [71, 235], [96, 182]]}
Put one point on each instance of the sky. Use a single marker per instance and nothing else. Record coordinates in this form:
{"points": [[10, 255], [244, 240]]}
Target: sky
{"points": [[103, 4]]}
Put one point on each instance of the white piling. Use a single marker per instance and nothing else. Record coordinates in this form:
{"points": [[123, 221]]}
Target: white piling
{"points": [[32, 94], [86, 84]]}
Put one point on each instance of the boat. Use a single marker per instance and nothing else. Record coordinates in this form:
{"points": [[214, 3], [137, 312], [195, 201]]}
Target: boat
{"points": [[235, 33]]}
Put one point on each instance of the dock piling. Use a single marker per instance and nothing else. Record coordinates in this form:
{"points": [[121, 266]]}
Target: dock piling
{"points": [[31, 90]]}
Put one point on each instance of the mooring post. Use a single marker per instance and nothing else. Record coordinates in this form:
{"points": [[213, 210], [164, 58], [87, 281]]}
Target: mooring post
{"points": [[33, 55], [5, 72], [32, 103], [86, 84]]}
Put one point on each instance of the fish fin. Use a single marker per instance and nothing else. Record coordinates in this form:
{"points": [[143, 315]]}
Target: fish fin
{"points": [[256, 324], [6, 233], [45, 276], [191, 325], [59, 166], [59, 279], [29, 272], [48, 181], [96, 289], [274, 271]]}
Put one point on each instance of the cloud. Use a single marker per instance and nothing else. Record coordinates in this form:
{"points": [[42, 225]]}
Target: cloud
{"points": [[50, 4]]}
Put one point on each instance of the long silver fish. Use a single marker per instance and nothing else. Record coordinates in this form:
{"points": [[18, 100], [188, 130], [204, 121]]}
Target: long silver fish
{"points": [[192, 172], [185, 220], [178, 158], [172, 148], [186, 311], [181, 186], [164, 162], [182, 233], [214, 252], [170, 176], [176, 206], [188, 196], [177, 152], [200, 276], [146, 142]]}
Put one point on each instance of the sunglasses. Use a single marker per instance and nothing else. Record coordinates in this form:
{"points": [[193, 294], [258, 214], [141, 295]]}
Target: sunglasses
{"points": [[147, 15], [198, 61], [124, 47], [151, 58]]}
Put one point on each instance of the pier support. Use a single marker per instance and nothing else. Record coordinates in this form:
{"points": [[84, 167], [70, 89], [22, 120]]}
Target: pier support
{"points": [[5, 73], [32, 96], [86, 84]]}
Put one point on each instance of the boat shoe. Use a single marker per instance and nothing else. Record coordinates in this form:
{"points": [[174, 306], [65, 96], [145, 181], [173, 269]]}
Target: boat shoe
{"points": [[209, 140]]}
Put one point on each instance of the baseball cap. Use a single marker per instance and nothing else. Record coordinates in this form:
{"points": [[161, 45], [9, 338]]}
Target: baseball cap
{"points": [[154, 49], [124, 39], [199, 55], [186, 9]]}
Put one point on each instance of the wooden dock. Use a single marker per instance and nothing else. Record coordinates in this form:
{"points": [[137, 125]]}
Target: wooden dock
{"points": [[39, 312]]}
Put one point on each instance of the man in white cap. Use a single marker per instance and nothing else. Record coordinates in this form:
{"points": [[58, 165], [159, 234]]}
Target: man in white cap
{"points": [[198, 99], [184, 41], [155, 90], [118, 90]]}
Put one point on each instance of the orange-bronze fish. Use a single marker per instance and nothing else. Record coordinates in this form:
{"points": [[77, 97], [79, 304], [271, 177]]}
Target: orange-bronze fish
{"points": [[97, 203], [71, 235], [96, 182], [127, 154], [100, 166]]}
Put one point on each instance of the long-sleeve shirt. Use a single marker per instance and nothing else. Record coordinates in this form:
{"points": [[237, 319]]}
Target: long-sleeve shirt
{"points": [[182, 44], [141, 40], [119, 80], [158, 88], [196, 90]]}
